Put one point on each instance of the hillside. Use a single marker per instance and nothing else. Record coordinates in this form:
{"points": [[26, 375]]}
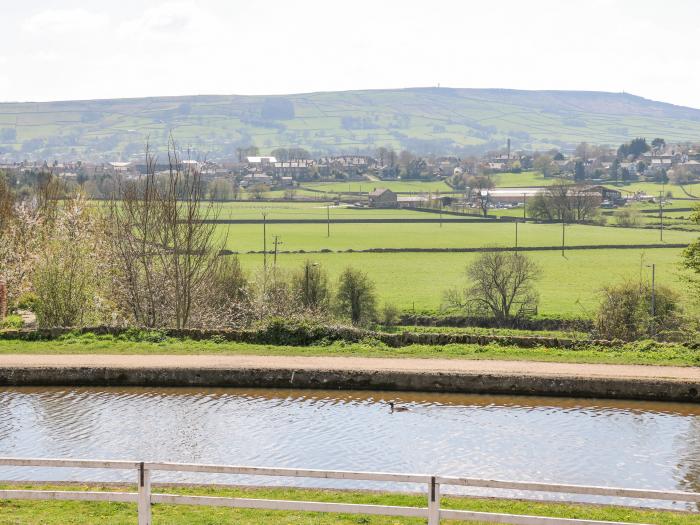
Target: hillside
{"points": [[429, 120]]}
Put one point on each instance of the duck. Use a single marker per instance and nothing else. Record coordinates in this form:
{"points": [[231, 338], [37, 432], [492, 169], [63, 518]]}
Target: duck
{"points": [[397, 409]]}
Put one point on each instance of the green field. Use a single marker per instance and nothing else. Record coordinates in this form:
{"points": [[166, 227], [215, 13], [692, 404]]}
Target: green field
{"points": [[569, 285], [309, 210], [311, 237], [82, 513]]}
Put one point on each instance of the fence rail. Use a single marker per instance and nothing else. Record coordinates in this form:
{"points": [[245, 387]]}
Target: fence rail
{"points": [[433, 512]]}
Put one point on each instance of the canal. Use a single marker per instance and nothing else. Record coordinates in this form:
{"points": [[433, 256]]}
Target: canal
{"points": [[582, 441]]}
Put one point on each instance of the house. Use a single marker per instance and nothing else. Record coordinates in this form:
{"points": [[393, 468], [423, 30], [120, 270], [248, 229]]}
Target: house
{"points": [[120, 167], [383, 198], [293, 168], [254, 179], [257, 161]]}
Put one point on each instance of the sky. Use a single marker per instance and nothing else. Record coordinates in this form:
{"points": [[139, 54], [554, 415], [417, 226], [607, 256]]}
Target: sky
{"points": [[70, 49]]}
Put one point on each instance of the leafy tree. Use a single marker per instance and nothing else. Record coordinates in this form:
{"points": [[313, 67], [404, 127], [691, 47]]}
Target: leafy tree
{"points": [[545, 165], [615, 170], [641, 167], [635, 148], [691, 256], [501, 284], [356, 297], [658, 143]]}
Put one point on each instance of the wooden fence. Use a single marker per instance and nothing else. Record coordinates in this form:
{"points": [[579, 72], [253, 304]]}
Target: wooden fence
{"points": [[144, 498]]}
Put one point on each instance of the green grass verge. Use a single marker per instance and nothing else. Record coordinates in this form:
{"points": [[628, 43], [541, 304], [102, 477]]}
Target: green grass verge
{"points": [[643, 353], [83, 513]]}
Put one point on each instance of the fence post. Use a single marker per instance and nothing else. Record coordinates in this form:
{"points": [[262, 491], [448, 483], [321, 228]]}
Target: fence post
{"points": [[433, 502], [144, 497]]}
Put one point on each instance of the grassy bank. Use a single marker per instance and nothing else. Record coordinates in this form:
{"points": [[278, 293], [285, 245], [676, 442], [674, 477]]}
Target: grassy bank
{"points": [[81, 513], [643, 353]]}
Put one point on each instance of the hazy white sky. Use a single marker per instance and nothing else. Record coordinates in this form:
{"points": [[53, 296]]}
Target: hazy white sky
{"points": [[71, 49]]}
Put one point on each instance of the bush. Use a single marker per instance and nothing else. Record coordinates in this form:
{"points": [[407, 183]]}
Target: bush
{"points": [[304, 332], [390, 315], [627, 218], [11, 322], [26, 301], [356, 298], [625, 312]]}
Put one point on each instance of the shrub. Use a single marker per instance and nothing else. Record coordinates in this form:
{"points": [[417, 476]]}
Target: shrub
{"points": [[26, 301], [627, 218], [11, 322], [390, 315], [356, 298], [625, 312], [310, 286]]}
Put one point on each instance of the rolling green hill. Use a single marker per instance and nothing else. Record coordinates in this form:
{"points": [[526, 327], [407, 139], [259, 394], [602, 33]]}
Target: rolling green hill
{"points": [[426, 120]]}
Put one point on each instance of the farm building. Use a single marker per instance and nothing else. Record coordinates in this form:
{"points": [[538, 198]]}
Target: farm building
{"points": [[383, 198], [606, 194]]}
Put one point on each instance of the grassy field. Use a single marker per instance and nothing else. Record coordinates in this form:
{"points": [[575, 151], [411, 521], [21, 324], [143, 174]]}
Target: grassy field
{"points": [[309, 237], [81, 513], [309, 210], [569, 285]]}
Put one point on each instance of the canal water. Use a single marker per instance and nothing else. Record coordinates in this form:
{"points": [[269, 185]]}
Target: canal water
{"points": [[631, 444]]}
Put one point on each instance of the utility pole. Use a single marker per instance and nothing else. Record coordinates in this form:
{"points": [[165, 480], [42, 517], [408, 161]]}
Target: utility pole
{"points": [[661, 214], [264, 215], [277, 243], [524, 207], [563, 235], [653, 301]]}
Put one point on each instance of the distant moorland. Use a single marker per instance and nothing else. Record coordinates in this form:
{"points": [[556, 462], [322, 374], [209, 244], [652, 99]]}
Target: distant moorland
{"points": [[423, 120]]}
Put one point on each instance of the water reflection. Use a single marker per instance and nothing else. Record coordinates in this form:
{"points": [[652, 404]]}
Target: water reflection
{"points": [[653, 445]]}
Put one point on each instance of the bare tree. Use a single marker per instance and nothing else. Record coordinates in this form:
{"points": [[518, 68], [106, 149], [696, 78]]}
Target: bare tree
{"points": [[163, 243], [501, 284], [479, 186], [564, 202]]}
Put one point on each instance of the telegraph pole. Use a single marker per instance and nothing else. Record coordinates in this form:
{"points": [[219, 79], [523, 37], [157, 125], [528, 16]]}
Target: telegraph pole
{"points": [[653, 300], [277, 243], [563, 235], [524, 207], [661, 215], [264, 215]]}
